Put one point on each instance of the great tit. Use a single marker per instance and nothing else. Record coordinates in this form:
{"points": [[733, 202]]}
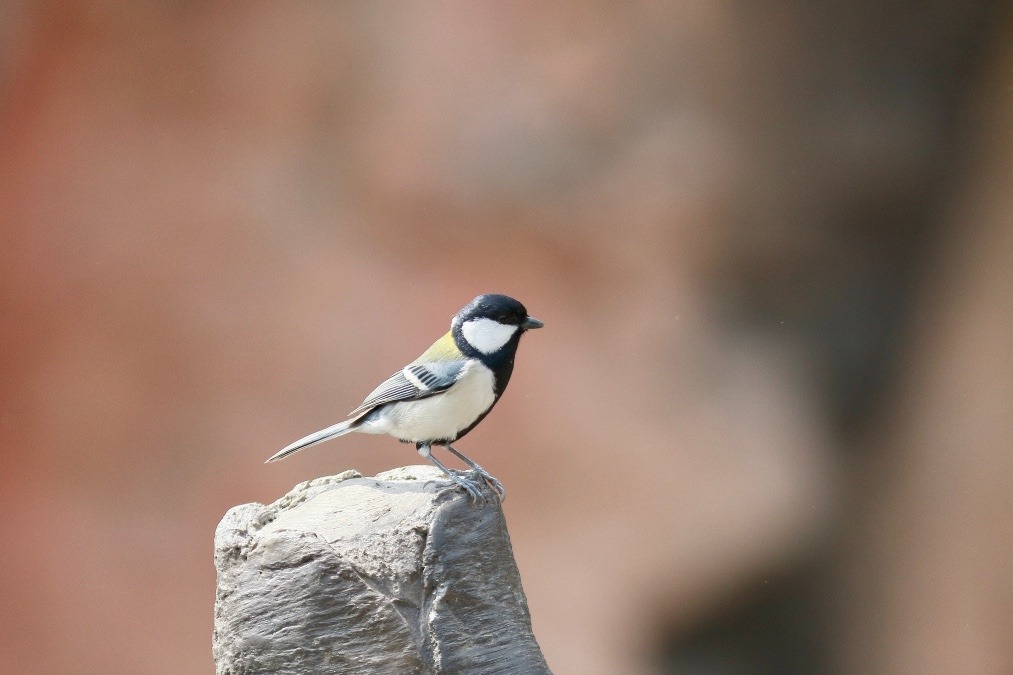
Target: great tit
{"points": [[440, 396]]}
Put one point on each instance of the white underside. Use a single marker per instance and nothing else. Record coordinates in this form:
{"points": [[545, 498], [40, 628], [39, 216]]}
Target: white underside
{"points": [[438, 417]]}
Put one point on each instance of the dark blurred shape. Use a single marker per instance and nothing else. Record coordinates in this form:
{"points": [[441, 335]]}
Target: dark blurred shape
{"points": [[868, 140], [863, 145], [772, 626]]}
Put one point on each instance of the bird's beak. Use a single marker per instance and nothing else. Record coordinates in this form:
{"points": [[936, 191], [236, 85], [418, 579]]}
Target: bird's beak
{"points": [[531, 322]]}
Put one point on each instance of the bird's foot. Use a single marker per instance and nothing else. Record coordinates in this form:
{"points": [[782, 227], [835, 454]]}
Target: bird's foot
{"points": [[489, 480], [470, 486], [480, 479], [485, 476]]}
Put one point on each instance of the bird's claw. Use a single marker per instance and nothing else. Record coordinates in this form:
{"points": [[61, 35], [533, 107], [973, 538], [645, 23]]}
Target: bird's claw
{"points": [[484, 475], [472, 486], [496, 486], [474, 492], [479, 478]]}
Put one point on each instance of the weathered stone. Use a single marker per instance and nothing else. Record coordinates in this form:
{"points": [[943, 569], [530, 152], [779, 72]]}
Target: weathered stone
{"points": [[395, 574]]}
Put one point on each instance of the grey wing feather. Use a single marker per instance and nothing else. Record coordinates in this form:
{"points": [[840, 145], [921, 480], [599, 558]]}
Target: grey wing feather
{"points": [[415, 381]]}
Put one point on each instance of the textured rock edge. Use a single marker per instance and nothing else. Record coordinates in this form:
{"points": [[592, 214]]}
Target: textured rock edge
{"points": [[307, 584]]}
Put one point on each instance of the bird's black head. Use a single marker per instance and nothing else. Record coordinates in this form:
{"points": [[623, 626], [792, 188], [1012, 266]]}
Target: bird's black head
{"points": [[500, 308], [490, 326]]}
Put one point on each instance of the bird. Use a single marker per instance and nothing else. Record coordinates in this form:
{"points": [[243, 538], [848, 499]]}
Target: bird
{"points": [[443, 394]]}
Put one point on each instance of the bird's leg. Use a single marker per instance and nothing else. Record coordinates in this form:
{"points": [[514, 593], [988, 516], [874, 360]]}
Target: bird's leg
{"points": [[486, 476], [426, 450]]}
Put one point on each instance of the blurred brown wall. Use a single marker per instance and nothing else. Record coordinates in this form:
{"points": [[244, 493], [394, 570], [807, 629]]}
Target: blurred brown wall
{"points": [[771, 243]]}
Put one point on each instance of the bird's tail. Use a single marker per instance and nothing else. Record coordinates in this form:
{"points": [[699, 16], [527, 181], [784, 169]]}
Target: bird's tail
{"points": [[339, 429]]}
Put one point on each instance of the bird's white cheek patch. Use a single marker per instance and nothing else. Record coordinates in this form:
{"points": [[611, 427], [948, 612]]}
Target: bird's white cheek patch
{"points": [[487, 335]]}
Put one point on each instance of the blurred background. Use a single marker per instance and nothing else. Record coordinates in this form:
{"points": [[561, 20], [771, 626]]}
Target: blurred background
{"points": [[767, 429]]}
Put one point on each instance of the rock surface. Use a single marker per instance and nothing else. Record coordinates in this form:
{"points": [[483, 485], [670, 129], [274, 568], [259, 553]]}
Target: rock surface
{"points": [[395, 574]]}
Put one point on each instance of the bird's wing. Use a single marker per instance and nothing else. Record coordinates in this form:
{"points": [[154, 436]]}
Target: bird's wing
{"points": [[414, 381]]}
